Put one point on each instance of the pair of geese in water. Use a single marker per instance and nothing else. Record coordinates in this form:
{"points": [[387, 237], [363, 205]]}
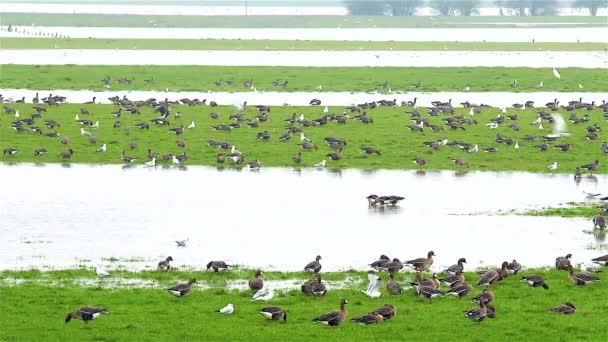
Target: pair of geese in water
{"points": [[425, 288]]}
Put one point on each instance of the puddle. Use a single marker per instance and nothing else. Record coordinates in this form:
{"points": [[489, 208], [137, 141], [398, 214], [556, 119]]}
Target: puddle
{"points": [[495, 99], [279, 219], [535, 59]]}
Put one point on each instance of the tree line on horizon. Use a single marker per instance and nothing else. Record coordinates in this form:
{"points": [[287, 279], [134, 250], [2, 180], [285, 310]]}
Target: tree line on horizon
{"points": [[468, 7]]}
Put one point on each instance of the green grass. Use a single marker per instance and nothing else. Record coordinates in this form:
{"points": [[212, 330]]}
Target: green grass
{"points": [[165, 21], [571, 210], [33, 311], [202, 78], [388, 134], [286, 45]]}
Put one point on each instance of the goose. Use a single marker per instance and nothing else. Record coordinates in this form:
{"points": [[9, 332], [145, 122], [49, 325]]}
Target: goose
{"points": [[314, 287], [177, 130], [599, 221], [217, 266], [377, 265], [488, 278], [226, 310], [264, 294], [10, 151], [320, 165], [514, 267], [432, 282], [101, 272], [334, 318], [372, 290], [256, 283], [421, 264], [392, 286], [460, 290], [456, 268], [535, 281], [178, 115], [563, 262], [368, 319], [603, 260], [552, 167], [151, 162], [313, 266], [180, 143], [273, 313], [392, 266], [459, 161], [582, 278], [591, 166], [126, 159], [566, 309], [387, 311], [84, 133], [181, 290], [556, 74], [103, 148], [164, 265], [67, 154], [297, 158], [477, 314], [39, 151], [86, 314], [182, 243], [191, 125], [453, 280], [427, 292], [419, 161]]}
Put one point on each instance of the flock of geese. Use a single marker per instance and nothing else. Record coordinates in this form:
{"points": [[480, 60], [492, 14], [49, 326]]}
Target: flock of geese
{"points": [[295, 125], [453, 281]]}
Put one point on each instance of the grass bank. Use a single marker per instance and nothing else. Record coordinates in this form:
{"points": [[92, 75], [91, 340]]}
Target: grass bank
{"points": [[32, 311], [588, 210], [167, 21], [388, 133], [202, 78], [284, 45]]}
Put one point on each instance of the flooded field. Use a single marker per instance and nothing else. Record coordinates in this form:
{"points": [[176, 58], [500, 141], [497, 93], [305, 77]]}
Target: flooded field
{"points": [[61, 217], [308, 58]]}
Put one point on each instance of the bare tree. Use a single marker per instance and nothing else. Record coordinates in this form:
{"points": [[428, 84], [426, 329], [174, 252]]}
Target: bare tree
{"points": [[543, 7], [518, 7], [591, 5], [444, 7], [404, 7], [365, 7], [466, 7]]}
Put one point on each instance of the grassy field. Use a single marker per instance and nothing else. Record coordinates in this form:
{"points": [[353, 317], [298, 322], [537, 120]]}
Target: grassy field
{"points": [[571, 210], [36, 311], [388, 133], [164, 21], [202, 78], [284, 45]]}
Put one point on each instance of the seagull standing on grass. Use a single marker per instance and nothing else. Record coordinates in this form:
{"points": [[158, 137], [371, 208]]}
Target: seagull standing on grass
{"points": [[151, 162], [553, 166], [226, 310], [103, 148], [326, 109], [191, 125], [304, 138], [101, 272], [516, 145], [540, 85], [17, 115], [320, 165], [556, 74]]}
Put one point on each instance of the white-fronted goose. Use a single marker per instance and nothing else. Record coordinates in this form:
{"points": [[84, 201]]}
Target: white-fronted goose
{"points": [[460, 291], [457, 268], [297, 158], [256, 283], [421, 264], [217, 266], [477, 314], [273, 313], [563, 262], [599, 221], [488, 278], [591, 166], [314, 285], [387, 311], [484, 297], [393, 266], [427, 292], [566, 309], [432, 282], [368, 319], [535, 281], [514, 267], [39, 151], [10, 151], [313, 266], [582, 278], [67, 154], [165, 265], [181, 290], [126, 159], [334, 318], [392, 285], [453, 280], [86, 314], [603, 260], [383, 258]]}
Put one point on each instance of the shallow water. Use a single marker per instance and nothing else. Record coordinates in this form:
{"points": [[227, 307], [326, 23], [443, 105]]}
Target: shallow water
{"points": [[566, 34], [277, 218], [495, 99], [308, 58]]}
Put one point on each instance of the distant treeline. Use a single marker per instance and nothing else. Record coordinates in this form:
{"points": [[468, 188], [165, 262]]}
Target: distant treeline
{"points": [[470, 7]]}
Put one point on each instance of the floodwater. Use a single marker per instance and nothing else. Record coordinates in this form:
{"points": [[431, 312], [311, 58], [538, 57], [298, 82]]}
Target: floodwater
{"points": [[565, 34], [535, 59], [54, 216], [494, 99]]}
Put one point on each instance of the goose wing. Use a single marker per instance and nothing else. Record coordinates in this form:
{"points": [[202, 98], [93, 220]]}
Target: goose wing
{"points": [[328, 318]]}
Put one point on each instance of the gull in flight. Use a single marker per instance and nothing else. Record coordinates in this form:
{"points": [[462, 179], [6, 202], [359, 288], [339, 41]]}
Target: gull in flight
{"points": [[372, 290], [182, 243]]}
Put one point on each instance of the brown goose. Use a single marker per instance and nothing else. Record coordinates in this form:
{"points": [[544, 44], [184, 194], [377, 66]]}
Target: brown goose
{"points": [[422, 264], [427, 292], [217, 266], [503, 271], [582, 278], [387, 311], [181, 290], [297, 158], [453, 280], [566, 309], [484, 297], [273, 313], [458, 268], [490, 311], [603, 260], [313, 266], [392, 266], [488, 278], [378, 264], [256, 283], [477, 314], [314, 286], [86, 314], [67, 154], [460, 290], [563, 262], [334, 318], [392, 285], [535, 281], [369, 319], [514, 267], [165, 265], [599, 221]]}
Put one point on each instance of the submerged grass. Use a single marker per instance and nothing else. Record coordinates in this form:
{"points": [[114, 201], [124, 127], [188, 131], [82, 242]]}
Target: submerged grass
{"points": [[35, 312], [298, 21], [357, 79], [285, 45], [586, 210], [398, 145]]}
